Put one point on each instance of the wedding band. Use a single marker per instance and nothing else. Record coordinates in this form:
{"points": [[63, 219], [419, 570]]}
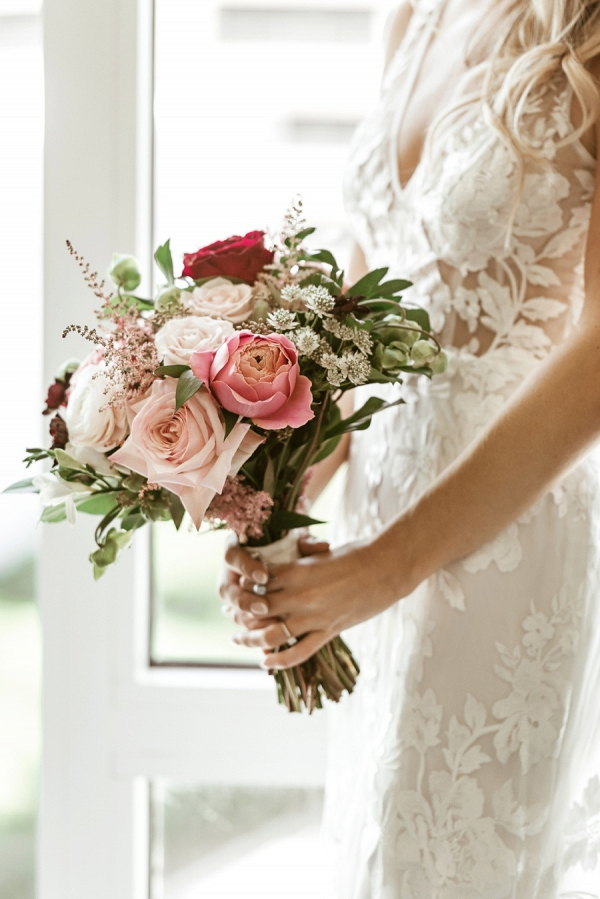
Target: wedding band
{"points": [[259, 589], [291, 640]]}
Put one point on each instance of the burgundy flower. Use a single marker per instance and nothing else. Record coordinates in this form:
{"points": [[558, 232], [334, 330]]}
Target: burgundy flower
{"points": [[57, 394], [237, 257], [346, 305], [59, 433]]}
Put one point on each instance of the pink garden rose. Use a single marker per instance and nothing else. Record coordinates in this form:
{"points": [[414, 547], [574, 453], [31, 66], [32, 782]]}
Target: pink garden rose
{"points": [[257, 376], [185, 452]]}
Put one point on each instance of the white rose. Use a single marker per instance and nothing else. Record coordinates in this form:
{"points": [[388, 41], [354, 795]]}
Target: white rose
{"points": [[89, 419], [220, 298], [180, 337]]}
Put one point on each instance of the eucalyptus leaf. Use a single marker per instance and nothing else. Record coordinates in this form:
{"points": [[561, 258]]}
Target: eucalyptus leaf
{"points": [[187, 386], [164, 261]]}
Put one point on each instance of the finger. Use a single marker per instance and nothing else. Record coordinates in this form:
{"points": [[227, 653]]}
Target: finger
{"points": [[259, 606], [227, 579], [251, 622], [295, 655], [271, 637], [272, 587], [311, 546], [241, 561]]}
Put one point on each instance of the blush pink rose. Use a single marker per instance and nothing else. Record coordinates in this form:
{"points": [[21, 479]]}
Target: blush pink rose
{"points": [[257, 376], [186, 451]]}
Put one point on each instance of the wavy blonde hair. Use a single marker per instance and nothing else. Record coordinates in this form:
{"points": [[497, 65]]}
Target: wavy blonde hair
{"points": [[537, 39], [533, 42]]}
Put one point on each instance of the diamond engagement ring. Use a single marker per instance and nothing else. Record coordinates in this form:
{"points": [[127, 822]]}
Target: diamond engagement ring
{"points": [[291, 640], [259, 589]]}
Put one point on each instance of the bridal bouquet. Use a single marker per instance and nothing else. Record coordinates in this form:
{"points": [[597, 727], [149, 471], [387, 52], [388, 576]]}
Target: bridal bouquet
{"points": [[215, 397]]}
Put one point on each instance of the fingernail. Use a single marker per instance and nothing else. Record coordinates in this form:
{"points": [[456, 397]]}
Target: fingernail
{"points": [[261, 577], [259, 608]]}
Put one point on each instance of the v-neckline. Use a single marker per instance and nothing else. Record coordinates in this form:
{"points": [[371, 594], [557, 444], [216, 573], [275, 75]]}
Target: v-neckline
{"points": [[428, 30]]}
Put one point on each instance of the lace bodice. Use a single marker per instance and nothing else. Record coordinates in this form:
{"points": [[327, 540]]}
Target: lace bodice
{"points": [[446, 229]]}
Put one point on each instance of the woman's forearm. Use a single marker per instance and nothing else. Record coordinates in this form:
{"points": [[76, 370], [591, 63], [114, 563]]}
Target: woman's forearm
{"points": [[550, 421]]}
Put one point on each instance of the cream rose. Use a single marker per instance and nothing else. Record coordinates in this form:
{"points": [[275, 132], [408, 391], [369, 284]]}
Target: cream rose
{"points": [[219, 298], [180, 337], [90, 420], [186, 451]]}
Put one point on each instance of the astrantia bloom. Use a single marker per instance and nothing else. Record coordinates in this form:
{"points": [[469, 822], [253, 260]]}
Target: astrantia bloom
{"points": [[186, 451], [258, 376]]}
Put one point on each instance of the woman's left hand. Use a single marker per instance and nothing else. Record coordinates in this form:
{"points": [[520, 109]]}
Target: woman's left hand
{"points": [[316, 597]]}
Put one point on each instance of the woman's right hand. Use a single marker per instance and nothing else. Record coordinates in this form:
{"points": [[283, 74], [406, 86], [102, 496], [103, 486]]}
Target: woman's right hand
{"points": [[241, 572]]}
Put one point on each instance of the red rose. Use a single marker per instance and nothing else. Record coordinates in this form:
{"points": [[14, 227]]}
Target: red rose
{"points": [[236, 257]]}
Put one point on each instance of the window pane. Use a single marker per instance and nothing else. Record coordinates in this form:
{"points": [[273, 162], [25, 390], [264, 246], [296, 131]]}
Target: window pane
{"points": [[217, 841], [254, 103]]}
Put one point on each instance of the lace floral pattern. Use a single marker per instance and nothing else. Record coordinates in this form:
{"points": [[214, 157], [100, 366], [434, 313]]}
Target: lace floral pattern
{"points": [[467, 763]]}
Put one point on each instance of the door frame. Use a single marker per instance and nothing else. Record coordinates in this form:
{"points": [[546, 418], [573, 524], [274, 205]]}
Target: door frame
{"points": [[111, 721]]}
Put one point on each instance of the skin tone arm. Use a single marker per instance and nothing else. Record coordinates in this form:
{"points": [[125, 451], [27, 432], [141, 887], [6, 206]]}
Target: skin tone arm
{"points": [[545, 427]]}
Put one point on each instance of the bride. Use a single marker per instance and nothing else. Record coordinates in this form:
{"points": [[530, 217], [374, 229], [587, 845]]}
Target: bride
{"points": [[466, 559]]}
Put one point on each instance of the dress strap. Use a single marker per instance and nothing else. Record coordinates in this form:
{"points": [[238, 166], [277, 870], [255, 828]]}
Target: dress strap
{"points": [[428, 14]]}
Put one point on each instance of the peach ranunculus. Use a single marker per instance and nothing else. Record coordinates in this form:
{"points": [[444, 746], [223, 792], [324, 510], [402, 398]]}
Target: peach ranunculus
{"points": [[186, 451], [220, 298], [257, 376]]}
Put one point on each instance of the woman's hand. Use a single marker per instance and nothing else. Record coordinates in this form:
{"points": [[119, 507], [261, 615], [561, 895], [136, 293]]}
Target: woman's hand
{"points": [[315, 598]]}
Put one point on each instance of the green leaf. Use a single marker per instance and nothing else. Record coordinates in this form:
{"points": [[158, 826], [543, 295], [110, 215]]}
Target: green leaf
{"points": [[164, 261], [367, 286], [187, 386], [171, 371], [68, 462], [53, 514], [302, 235], [389, 288], [269, 478], [99, 504], [287, 521], [22, 487], [176, 508], [132, 521], [328, 447], [419, 317], [231, 419], [325, 257], [361, 419]]}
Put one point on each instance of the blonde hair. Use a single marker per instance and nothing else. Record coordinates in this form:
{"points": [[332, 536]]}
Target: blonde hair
{"points": [[537, 39], [534, 42]]}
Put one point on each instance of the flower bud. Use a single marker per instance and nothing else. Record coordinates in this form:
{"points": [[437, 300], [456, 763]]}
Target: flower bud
{"points": [[124, 271], [394, 358], [67, 368], [168, 296], [439, 364], [423, 352], [396, 332], [261, 310]]}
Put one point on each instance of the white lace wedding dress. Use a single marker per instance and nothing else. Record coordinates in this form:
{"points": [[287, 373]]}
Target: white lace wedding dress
{"points": [[467, 763]]}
